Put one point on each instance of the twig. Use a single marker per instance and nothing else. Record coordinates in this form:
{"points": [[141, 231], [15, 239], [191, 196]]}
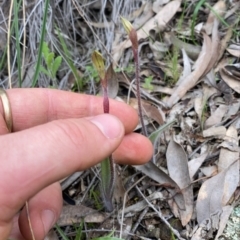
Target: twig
{"points": [[144, 212], [124, 203], [176, 233]]}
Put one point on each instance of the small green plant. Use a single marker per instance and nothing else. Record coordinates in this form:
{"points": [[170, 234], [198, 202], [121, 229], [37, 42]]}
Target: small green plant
{"points": [[181, 19], [52, 63], [79, 232], [129, 69], [148, 83], [95, 196], [90, 70], [107, 165], [172, 64]]}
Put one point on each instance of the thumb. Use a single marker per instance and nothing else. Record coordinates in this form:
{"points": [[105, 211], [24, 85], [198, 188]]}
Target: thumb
{"points": [[40, 156]]}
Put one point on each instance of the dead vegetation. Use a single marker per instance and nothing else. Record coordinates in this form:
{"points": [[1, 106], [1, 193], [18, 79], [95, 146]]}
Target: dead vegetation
{"points": [[190, 72]]}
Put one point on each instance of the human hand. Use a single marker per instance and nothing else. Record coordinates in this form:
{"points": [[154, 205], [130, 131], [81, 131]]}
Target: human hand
{"points": [[55, 134]]}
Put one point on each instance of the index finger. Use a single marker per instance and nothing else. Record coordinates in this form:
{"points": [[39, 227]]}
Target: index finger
{"points": [[32, 107]]}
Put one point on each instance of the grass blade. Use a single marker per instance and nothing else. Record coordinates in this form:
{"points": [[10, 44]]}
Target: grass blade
{"points": [[39, 57]]}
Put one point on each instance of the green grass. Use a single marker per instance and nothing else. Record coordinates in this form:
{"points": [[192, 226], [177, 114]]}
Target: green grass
{"points": [[194, 18], [16, 6], [66, 56], [222, 20], [148, 83], [171, 60], [39, 56], [95, 195], [81, 236], [181, 19]]}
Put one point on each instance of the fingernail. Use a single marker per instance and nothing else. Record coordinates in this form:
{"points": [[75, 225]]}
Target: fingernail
{"points": [[109, 125], [48, 219]]}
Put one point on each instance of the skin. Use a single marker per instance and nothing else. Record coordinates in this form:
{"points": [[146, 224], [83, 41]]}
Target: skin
{"points": [[52, 138]]}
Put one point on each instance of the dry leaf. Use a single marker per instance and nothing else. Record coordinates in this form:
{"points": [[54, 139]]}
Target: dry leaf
{"points": [[224, 42], [230, 80], [209, 198], [157, 5], [187, 67], [214, 194], [227, 210], [159, 49], [209, 171], [157, 23], [153, 172], [195, 164], [215, 47], [219, 8], [192, 51], [215, 132], [192, 79], [74, 214], [177, 163], [149, 110], [131, 211], [217, 116], [234, 50], [229, 159]]}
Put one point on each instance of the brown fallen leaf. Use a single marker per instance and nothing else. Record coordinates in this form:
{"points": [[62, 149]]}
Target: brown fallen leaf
{"points": [[220, 9], [216, 116], [177, 163], [186, 67], [158, 175], [234, 50], [215, 46], [230, 80], [195, 164], [229, 159], [74, 214], [224, 43], [227, 210], [157, 23], [209, 199], [211, 196], [218, 132], [191, 50], [192, 79], [149, 110]]}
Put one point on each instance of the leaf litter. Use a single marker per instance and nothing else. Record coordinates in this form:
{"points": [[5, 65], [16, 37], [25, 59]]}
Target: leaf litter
{"points": [[191, 103]]}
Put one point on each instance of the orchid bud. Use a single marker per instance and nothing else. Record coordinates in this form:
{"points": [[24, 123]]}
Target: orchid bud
{"points": [[98, 63], [132, 34]]}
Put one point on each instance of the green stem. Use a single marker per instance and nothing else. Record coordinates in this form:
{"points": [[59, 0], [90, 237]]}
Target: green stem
{"points": [[108, 177], [107, 165]]}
